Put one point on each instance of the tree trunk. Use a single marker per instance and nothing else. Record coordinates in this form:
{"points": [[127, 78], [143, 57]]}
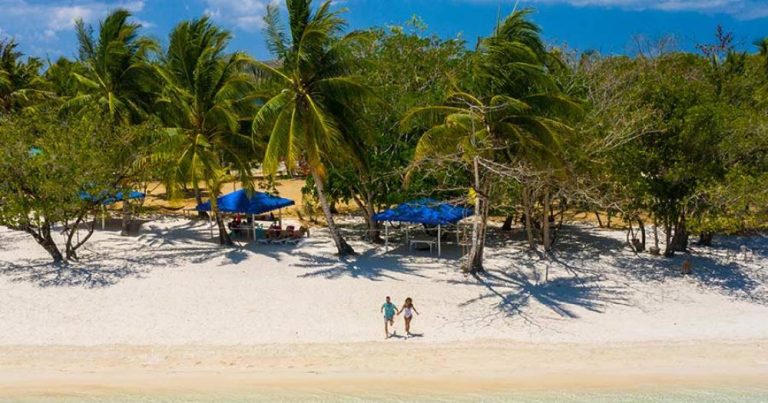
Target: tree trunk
{"points": [[224, 238], [44, 239], [641, 225], [680, 240], [72, 248], [126, 218], [669, 249], [608, 222], [631, 236], [474, 262], [705, 238], [546, 239], [508, 223], [342, 246], [528, 224], [655, 249], [374, 228], [599, 220], [475, 258], [563, 207]]}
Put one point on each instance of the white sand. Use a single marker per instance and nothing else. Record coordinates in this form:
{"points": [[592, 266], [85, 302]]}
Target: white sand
{"points": [[173, 286]]}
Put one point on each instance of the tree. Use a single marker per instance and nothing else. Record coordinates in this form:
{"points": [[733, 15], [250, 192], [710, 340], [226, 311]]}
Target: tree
{"points": [[407, 68], [41, 190], [20, 81], [206, 94], [506, 116], [318, 101], [118, 78]]}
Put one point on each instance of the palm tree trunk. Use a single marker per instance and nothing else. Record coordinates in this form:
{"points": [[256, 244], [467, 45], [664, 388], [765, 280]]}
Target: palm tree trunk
{"points": [[224, 238], [342, 246], [474, 262]]}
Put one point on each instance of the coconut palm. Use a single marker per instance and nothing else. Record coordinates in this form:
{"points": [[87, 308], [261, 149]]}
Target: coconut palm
{"points": [[509, 115], [206, 93], [117, 79], [311, 116], [20, 81]]}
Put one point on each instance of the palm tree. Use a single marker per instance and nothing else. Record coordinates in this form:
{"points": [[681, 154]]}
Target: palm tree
{"points": [[20, 81], [206, 94], [507, 116], [311, 117], [117, 78]]}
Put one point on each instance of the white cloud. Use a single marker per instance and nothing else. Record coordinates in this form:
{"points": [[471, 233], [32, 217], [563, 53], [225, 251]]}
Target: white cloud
{"points": [[743, 9], [243, 14], [43, 21]]}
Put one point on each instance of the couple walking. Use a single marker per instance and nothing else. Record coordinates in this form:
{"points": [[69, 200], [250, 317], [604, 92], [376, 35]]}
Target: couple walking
{"points": [[390, 310]]}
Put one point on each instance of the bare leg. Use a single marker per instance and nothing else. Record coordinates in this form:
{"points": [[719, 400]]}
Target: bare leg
{"points": [[386, 329], [408, 326]]}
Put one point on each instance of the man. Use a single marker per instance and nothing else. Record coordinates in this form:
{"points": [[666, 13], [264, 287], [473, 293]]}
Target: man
{"points": [[389, 309]]}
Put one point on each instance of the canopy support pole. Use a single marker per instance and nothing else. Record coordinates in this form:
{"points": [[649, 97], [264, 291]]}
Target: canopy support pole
{"points": [[103, 216], [253, 224], [438, 240], [386, 238], [210, 223]]}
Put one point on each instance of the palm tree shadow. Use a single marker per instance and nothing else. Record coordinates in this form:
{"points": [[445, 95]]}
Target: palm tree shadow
{"points": [[516, 292], [368, 265]]}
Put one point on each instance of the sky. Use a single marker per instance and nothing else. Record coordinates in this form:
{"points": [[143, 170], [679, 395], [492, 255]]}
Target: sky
{"points": [[44, 27]]}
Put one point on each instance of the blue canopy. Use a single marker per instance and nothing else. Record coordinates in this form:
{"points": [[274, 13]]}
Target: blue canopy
{"points": [[111, 199], [425, 211], [239, 202]]}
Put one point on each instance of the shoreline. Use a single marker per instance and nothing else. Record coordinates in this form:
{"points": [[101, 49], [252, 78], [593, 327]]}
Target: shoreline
{"points": [[487, 366]]}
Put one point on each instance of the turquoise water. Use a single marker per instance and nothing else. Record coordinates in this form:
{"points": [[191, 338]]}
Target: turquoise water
{"points": [[748, 395]]}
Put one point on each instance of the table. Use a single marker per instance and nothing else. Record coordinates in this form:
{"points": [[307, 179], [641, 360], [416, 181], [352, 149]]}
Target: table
{"points": [[422, 242]]}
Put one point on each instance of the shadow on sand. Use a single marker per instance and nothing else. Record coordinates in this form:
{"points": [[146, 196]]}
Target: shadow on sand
{"points": [[106, 262], [515, 292]]}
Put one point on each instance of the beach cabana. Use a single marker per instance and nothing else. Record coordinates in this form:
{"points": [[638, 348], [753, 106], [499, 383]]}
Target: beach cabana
{"points": [[424, 211], [107, 199], [239, 202]]}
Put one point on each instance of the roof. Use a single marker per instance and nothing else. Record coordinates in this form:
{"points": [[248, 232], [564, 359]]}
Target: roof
{"points": [[111, 199], [240, 202], [425, 211]]}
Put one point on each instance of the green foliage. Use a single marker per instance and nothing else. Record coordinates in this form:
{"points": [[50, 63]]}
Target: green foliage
{"points": [[319, 101], [206, 95], [40, 189], [117, 77], [20, 82]]}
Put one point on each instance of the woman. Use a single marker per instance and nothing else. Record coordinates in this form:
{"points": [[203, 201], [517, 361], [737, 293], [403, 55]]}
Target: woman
{"points": [[407, 310]]}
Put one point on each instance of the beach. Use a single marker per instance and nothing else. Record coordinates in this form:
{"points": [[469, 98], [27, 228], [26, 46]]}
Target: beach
{"points": [[170, 311]]}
